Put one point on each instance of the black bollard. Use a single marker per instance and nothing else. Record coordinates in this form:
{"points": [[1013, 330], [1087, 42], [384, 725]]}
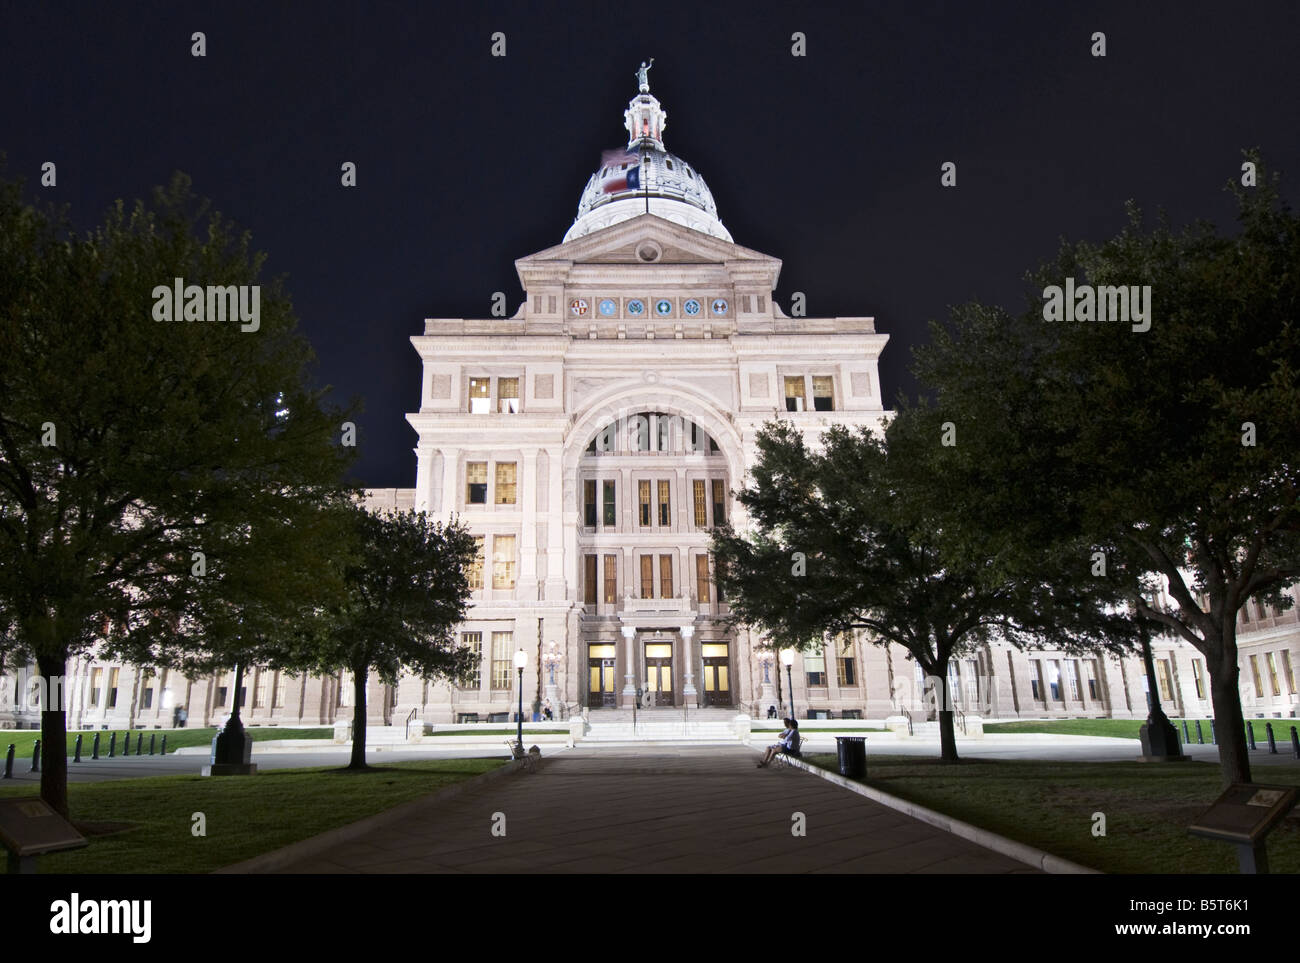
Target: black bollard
{"points": [[94, 747], [1295, 743], [1250, 734], [1214, 739], [1187, 736], [152, 737], [164, 744], [1272, 743], [9, 762], [139, 743], [1200, 736], [36, 756], [112, 745], [76, 752]]}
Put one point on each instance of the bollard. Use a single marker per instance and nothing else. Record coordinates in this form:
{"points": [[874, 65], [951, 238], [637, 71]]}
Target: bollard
{"points": [[164, 744], [1200, 736], [1250, 735], [139, 743], [1214, 739], [1187, 736], [94, 747], [112, 745], [152, 737], [9, 762], [1272, 743], [76, 752], [36, 756], [1295, 743]]}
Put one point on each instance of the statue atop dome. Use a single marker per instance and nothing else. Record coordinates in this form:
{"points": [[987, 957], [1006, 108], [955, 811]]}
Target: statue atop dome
{"points": [[643, 75]]}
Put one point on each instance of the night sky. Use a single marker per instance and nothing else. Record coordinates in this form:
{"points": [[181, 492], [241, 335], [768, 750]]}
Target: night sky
{"points": [[467, 161]]}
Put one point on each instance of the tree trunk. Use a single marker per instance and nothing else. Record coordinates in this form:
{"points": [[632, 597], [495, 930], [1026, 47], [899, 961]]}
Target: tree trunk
{"points": [[944, 706], [54, 736], [1229, 726], [359, 718]]}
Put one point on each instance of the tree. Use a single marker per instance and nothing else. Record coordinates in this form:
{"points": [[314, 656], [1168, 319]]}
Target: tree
{"points": [[849, 536], [1173, 449], [134, 451], [405, 591]]}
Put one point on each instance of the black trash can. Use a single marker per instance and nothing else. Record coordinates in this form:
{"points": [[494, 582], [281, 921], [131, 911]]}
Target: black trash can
{"points": [[853, 756]]}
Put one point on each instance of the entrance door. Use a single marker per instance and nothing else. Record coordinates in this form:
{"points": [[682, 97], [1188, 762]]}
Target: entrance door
{"points": [[717, 674], [659, 672], [600, 676]]}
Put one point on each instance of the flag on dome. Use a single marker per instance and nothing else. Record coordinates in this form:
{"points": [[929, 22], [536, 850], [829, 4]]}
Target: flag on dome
{"points": [[613, 158], [631, 181], [618, 179]]}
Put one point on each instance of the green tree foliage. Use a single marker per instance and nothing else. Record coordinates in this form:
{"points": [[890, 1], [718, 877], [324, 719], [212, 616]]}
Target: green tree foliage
{"points": [[128, 445], [404, 592]]}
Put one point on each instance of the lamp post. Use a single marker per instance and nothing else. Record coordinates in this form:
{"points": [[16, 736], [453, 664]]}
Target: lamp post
{"points": [[787, 659], [521, 660]]}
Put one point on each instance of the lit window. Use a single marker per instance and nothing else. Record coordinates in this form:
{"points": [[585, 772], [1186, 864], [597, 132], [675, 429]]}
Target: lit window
{"points": [[611, 579], [643, 502], [822, 400], [647, 577], [476, 566], [502, 660], [1162, 677], [666, 577], [611, 509], [1254, 671], [589, 579], [503, 562], [700, 502], [480, 395], [794, 396], [508, 395], [665, 504], [846, 673], [506, 483], [719, 502], [702, 578], [476, 483], [473, 641], [1271, 661]]}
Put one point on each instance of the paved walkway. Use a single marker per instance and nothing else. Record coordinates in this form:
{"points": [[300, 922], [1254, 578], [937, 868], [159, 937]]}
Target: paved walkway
{"points": [[658, 810]]}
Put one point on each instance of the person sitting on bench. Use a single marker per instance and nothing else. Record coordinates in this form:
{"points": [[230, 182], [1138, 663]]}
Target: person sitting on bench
{"points": [[787, 744]]}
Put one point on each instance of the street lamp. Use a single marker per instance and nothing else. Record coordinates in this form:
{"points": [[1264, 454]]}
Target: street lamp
{"points": [[787, 659], [521, 660]]}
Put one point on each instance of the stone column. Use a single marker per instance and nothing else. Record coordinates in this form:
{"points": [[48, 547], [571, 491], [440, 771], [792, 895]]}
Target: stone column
{"points": [[423, 479], [689, 697], [629, 676], [526, 496], [450, 488], [555, 523]]}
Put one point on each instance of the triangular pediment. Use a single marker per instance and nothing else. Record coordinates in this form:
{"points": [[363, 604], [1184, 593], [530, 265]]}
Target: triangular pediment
{"points": [[629, 242]]}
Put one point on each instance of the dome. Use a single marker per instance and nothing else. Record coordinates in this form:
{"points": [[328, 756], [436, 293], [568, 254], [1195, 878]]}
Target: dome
{"points": [[645, 176]]}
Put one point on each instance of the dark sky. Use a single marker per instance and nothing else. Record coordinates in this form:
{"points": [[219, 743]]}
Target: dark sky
{"points": [[467, 162]]}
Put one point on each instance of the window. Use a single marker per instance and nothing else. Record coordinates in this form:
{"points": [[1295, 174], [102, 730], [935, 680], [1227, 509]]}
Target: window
{"points": [[480, 395], [1163, 677], [589, 579], [822, 396], [814, 665], [1071, 674], [643, 501], [611, 579], [502, 660], [666, 577], [503, 562], [508, 395], [611, 511], [281, 688], [702, 578], [589, 503], [476, 483], [845, 673], [220, 698], [506, 473], [1254, 671], [665, 504], [699, 499], [794, 396], [1090, 673], [112, 687], [647, 577], [1054, 680], [1033, 680], [1286, 670], [259, 694], [1198, 677], [1271, 661], [147, 697], [476, 566], [96, 682], [474, 642], [719, 502]]}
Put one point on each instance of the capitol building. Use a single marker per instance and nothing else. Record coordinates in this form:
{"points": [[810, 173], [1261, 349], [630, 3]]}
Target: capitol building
{"points": [[590, 442]]}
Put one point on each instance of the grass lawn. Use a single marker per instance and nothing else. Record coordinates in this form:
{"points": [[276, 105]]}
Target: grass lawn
{"points": [[1051, 804], [246, 815], [176, 738], [1128, 728]]}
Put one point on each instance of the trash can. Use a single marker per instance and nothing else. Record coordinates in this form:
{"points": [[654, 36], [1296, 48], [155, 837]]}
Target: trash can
{"points": [[853, 756]]}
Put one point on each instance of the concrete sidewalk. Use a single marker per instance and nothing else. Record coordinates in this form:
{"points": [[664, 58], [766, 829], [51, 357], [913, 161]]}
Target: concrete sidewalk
{"points": [[661, 810]]}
